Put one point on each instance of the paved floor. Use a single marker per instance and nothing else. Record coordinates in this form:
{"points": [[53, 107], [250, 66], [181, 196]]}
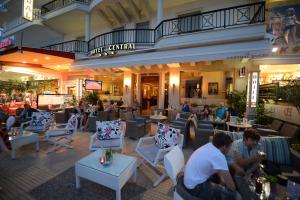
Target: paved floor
{"points": [[30, 169]]}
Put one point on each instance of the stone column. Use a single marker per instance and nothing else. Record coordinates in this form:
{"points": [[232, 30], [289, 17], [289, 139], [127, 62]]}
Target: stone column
{"points": [[174, 94], [87, 26], [160, 11], [127, 88], [161, 90]]}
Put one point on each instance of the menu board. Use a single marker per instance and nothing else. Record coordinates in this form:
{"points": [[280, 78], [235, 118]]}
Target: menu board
{"points": [[53, 99]]}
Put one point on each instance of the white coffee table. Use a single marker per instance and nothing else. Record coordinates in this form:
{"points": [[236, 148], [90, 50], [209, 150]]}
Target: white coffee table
{"points": [[113, 176], [25, 138]]}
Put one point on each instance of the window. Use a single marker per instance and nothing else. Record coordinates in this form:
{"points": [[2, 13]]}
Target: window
{"points": [[118, 35], [142, 35]]}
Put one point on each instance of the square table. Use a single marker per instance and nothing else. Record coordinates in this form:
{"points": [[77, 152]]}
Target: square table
{"points": [[113, 176], [20, 140]]}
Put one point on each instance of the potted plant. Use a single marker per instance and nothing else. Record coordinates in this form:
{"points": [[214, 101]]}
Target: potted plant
{"points": [[238, 101], [92, 98], [293, 93], [272, 180], [261, 114]]}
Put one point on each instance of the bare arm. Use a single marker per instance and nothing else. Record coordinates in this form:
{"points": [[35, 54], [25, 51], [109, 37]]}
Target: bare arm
{"points": [[243, 162], [227, 179]]}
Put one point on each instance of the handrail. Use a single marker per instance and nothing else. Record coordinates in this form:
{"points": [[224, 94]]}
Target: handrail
{"points": [[76, 46], [216, 19], [56, 4]]}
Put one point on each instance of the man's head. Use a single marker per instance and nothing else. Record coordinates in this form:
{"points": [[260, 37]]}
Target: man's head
{"points": [[222, 104], [222, 141], [251, 138]]}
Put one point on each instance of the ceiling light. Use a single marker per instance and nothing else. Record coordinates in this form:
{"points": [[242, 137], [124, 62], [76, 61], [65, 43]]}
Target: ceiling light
{"points": [[274, 49], [58, 66], [47, 58], [24, 62], [35, 60]]}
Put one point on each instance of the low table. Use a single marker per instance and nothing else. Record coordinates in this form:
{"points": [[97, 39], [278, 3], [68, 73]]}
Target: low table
{"points": [[158, 118], [113, 176], [25, 138], [238, 126]]}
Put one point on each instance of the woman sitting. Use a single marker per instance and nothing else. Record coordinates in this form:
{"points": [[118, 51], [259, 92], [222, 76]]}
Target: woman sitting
{"points": [[205, 112]]}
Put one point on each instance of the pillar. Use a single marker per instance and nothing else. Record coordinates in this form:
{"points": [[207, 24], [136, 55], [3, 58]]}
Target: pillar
{"points": [[161, 94], [127, 89], [160, 11], [139, 87], [174, 94], [87, 26]]}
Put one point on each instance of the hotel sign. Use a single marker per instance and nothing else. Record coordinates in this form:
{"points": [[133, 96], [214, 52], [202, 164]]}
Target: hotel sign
{"points": [[28, 9], [254, 89], [7, 42], [112, 49]]}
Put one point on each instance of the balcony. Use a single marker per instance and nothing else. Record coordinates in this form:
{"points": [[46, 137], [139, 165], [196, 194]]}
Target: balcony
{"points": [[238, 16], [57, 4], [20, 21], [75, 46]]}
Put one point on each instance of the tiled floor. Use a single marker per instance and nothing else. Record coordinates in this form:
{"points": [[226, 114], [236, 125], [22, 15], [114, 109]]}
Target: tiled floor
{"points": [[18, 177]]}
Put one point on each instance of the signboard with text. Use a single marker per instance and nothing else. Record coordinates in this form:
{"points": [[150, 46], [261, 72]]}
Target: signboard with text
{"points": [[112, 49], [7, 42], [28, 9], [254, 89]]}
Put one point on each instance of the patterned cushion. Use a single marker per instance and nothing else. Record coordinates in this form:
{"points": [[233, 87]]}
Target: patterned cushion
{"points": [[166, 136], [40, 120], [108, 130], [71, 124]]}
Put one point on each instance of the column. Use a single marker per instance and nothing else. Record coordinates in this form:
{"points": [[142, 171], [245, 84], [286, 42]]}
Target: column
{"points": [[160, 11], [127, 89], [161, 95], [174, 95], [139, 87], [87, 26]]}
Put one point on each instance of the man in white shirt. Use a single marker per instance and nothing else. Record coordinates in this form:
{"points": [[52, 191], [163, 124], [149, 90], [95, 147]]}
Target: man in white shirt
{"points": [[205, 162]]}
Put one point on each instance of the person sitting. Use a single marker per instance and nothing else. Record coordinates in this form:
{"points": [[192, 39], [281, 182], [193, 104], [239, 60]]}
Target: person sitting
{"points": [[135, 105], [244, 160], [246, 153], [205, 112], [185, 107], [27, 113], [222, 112], [99, 106], [205, 163], [120, 102], [4, 137]]}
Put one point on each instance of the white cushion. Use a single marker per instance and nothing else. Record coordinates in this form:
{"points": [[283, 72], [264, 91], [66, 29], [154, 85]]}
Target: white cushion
{"points": [[108, 130], [40, 120], [166, 136]]}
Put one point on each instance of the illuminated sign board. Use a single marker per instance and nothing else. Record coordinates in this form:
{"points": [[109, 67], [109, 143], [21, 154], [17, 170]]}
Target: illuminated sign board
{"points": [[28, 9], [112, 49], [254, 89], [7, 42]]}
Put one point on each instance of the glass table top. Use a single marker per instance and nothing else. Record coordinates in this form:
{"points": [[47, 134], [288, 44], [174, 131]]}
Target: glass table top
{"points": [[120, 162]]}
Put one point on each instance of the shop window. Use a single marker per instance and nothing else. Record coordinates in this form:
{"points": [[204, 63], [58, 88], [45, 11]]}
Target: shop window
{"points": [[142, 35], [118, 35]]}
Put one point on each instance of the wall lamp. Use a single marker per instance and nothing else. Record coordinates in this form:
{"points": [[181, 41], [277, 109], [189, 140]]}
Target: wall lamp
{"points": [[126, 88], [173, 88]]}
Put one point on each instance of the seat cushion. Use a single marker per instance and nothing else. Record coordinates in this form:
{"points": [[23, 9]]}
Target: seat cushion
{"points": [[149, 151], [289, 130], [276, 125], [183, 192], [106, 143], [166, 136], [40, 119], [108, 130]]}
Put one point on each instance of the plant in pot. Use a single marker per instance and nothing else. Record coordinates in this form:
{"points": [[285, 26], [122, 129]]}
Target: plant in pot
{"points": [[272, 180], [238, 101], [292, 91], [262, 114], [92, 98]]}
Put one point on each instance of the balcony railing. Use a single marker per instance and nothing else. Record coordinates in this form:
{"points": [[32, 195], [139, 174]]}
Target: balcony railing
{"points": [[56, 4], [212, 20], [137, 36], [217, 19], [76, 46], [20, 20]]}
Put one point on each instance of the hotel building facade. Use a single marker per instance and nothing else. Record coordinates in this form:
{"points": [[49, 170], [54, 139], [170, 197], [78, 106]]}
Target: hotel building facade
{"points": [[161, 52]]}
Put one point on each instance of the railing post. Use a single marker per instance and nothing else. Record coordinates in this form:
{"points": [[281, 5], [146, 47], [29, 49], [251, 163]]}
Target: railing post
{"points": [[225, 18]]}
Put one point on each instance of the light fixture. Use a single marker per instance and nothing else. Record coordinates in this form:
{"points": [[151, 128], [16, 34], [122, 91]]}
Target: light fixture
{"points": [[173, 88], [47, 58], [35, 60], [242, 72], [24, 62], [275, 49]]}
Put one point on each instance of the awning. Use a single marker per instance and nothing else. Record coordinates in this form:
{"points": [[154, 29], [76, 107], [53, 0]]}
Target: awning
{"points": [[35, 57]]}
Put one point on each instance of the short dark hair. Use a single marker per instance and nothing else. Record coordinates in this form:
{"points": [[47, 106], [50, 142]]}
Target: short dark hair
{"points": [[220, 139], [251, 133]]}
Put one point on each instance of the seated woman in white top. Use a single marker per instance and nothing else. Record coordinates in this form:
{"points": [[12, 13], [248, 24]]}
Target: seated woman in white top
{"points": [[204, 163]]}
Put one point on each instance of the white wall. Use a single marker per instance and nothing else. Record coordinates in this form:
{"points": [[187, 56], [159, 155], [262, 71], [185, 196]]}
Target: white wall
{"points": [[284, 112]]}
